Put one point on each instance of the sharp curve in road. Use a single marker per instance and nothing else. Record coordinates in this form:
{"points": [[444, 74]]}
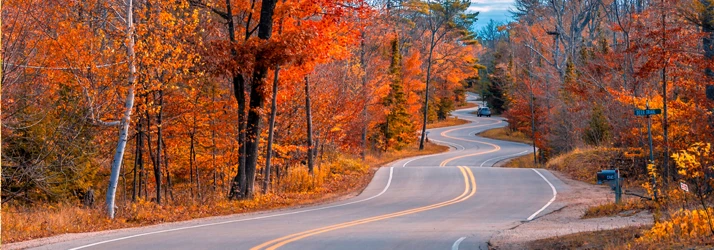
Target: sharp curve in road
{"points": [[452, 200]]}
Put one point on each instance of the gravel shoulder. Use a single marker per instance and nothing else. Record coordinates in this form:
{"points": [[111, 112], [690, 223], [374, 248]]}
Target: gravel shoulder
{"points": [[573, 202]]}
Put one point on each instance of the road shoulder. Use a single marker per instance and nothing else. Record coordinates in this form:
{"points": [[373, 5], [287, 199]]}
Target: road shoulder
{"points": [[570, 205]]}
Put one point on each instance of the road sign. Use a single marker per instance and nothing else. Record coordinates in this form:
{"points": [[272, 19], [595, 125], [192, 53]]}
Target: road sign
{"points": [[644, 112], [684, 186]]}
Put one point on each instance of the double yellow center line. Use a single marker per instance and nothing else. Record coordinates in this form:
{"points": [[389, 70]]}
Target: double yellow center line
{"points": [[444, 134], [469, 191]]}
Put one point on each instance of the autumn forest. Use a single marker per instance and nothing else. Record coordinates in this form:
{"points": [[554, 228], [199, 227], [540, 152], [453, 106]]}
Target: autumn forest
{"points": [[134, 112]]}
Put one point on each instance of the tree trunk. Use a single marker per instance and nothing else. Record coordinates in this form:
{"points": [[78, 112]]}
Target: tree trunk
{"points": [[142, 176], [363, 62], [308, 114], [198, 175], [213, 140], [1, 99], [193, 153], [668, 173], [426, 92], [126, 119], [271, 131], [169, 191], [137, 158], [157, 166], [257, 97], [239, 181], [190, 164], [708, 44]]}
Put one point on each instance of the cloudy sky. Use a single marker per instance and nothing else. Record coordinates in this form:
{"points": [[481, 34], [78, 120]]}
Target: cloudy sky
{"points": [[491, 9]]}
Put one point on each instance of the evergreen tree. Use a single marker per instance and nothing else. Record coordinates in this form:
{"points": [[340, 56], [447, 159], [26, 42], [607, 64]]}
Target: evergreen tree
{"points": [[397, 129], [598, 130]]}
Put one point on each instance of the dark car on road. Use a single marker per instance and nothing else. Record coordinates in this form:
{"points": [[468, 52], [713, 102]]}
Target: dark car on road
{"points": [[484, 111]]}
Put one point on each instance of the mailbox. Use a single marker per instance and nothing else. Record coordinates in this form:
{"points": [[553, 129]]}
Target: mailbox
{"points": [[611, 177], [607, 175]]}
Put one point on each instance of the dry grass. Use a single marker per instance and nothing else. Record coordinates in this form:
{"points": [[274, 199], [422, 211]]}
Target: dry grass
{"points": [[524, 161], [604, 239], [686, 229], [21, 224], [339, 177], [506, 134], [682, 229], [467, 105], [582, 164], [448, 122], [380, 159], [626, 208]]}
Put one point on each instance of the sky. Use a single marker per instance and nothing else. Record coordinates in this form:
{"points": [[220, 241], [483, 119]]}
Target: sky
{"points": [[491, 9]]}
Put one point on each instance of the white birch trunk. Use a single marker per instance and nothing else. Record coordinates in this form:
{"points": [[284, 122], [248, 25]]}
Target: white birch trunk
{"points": [[126, 119]]}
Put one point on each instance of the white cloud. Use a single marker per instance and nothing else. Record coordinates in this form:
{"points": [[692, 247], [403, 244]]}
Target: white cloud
{"points": [[491, 9], [490, 5], [480, 9], [492, 1]]}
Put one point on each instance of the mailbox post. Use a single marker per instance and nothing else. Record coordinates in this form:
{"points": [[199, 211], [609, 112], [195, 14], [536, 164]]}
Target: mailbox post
{"points": [[611, 177]]}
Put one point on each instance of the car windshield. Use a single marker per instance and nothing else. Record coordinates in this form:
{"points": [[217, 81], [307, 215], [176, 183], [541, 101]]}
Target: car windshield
{"points": [[484, 109]]}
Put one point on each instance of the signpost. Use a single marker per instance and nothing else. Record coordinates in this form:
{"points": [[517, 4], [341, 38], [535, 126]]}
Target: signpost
{"points": [[684, 186], [648, 113]]}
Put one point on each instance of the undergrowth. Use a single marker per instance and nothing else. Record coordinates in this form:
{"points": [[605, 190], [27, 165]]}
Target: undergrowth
{"points": [[506, 134], [627, 208], [448, 122]]}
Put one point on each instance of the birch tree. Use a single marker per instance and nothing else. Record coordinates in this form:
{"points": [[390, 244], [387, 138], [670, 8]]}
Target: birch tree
{"points": [[128, 106]]}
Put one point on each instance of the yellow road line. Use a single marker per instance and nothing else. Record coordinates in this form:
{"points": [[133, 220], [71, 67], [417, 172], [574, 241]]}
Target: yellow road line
{"points": [[469, 183], [495, 147]]}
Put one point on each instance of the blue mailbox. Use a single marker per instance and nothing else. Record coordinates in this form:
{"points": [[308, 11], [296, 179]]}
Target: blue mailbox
{"points": [[608, 175], [612, 178]]}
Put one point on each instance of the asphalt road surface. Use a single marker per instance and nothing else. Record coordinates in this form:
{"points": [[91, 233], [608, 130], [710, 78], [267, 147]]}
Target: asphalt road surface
{"points": [[453, 200]]}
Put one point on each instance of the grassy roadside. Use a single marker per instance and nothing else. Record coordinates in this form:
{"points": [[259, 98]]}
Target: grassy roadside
{"points": [[448, 122], [506, 134], [580, 164], [467, 105], [341, 176], [604, 239], [378, 160], [674, 228]]}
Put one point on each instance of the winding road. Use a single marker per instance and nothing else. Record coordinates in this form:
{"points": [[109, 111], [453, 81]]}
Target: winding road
{"points": [[452, 200]]}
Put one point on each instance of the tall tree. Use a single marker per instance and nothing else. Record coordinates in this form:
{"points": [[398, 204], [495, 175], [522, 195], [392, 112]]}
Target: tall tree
{"points": [[308, 119], [397, 128], [128, 106], [257, 95], [442, 19]]}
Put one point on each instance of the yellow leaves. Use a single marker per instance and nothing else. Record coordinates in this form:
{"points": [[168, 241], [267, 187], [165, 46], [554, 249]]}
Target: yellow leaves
{"points": [[692, 162], [684, 225]]}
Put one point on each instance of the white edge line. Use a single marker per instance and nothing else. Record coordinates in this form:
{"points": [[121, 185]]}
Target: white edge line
{"points": [[389, 182], [448, 143], [456, 244], [516, 154], [424, 156], [413, 159], [555, 193]]}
